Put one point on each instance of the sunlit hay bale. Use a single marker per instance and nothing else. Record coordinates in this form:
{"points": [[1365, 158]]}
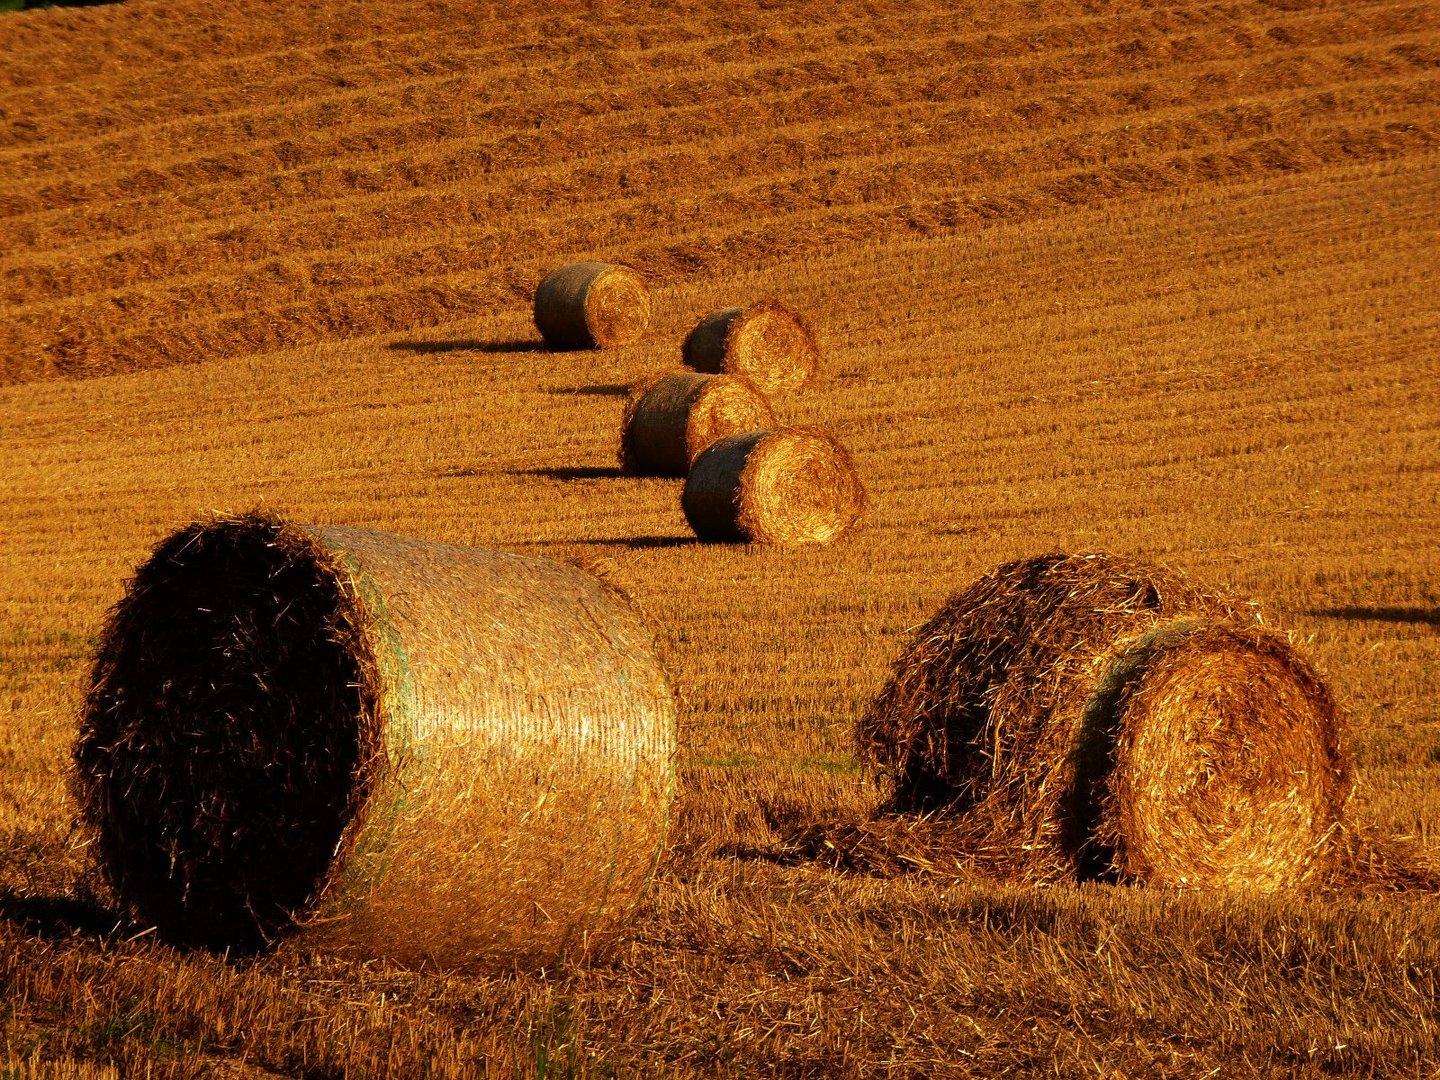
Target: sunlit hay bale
{"points": [[592, 306], [669, 420], [787, 486], [1081, 716], [1226, 763], [767, 342], [401, 749]]}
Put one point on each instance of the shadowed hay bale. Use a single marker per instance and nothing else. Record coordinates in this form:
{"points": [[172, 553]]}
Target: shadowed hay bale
{"points": [[669, 420], [592, 306], [438, 755], [787, 486], [768, 343], [1081, 716]]}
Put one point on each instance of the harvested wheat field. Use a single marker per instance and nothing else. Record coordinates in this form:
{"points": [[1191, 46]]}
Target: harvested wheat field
{"points": [[1150, 279]]}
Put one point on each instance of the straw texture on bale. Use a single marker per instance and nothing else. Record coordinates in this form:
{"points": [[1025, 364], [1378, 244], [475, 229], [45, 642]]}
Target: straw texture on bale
{"points": [[669, 420], [592, 306], [1080, 716], [436, 755], [769, 343], [786, 486]]}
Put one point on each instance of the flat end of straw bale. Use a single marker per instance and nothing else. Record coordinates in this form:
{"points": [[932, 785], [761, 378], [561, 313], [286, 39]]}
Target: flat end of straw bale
{"points": [[1229, 764], [218, 817]]}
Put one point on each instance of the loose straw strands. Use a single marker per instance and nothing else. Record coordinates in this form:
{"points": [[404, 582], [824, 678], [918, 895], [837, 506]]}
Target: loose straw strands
{"points": [[1076, 715]]}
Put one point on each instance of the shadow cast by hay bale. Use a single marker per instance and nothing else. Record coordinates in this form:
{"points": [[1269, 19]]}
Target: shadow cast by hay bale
{"points": [[572, 472], [1424, 616], [55, 918], [470, 346], [639, 542], [593, 390]]}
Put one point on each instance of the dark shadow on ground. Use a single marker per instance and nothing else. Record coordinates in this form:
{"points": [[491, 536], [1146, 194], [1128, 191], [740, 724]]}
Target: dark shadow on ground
{"points": [[595, 390], [31, 5], [1429, 616], [643, 541], [470, 346], [573, 472], [57, 917], [779, 856]]}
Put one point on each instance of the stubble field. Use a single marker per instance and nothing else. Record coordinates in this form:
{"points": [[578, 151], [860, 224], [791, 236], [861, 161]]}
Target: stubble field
{"points": [[1151, 278]]}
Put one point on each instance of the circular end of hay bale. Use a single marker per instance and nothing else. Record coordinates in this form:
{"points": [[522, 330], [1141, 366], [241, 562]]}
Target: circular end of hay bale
{"points": [[769, 343], [1228, 766], [592, 306], [787, 486], [671, 419], [229, 733]]}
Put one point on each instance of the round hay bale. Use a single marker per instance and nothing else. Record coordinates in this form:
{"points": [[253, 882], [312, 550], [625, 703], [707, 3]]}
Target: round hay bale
{"points": [[767, 342], [1085, 717], [437, 755], [592, 306], [669, 420], [787, 486]]}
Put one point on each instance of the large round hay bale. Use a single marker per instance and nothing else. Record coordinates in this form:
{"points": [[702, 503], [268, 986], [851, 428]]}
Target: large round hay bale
{"points": [[591, 305], [402, 749], [767, 342], [1083, 716], [787, 486], [669, 420]]}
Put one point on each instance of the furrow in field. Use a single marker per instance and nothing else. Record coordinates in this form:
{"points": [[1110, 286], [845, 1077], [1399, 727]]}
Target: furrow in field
{"points": [[326, 130], [367, 301], [34, 275], [237, 101], [795, 174], [591, 189], [362, 52]]}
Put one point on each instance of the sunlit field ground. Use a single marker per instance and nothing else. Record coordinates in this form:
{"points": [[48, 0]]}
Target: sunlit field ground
{"points": [[1152, 279]]}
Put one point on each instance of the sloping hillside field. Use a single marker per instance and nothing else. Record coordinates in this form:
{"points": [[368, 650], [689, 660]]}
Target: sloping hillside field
{"points": [[1158, 279]]}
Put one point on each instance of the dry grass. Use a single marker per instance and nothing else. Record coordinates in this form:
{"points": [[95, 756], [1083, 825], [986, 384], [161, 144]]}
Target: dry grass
{"points": [[1153, 280]]}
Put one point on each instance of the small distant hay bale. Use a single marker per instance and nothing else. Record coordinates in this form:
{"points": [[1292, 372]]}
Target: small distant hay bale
{"points": [[1079, 716], [669, 420], [438, 755], [767, 342], [591, 305], [787, 486]]}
